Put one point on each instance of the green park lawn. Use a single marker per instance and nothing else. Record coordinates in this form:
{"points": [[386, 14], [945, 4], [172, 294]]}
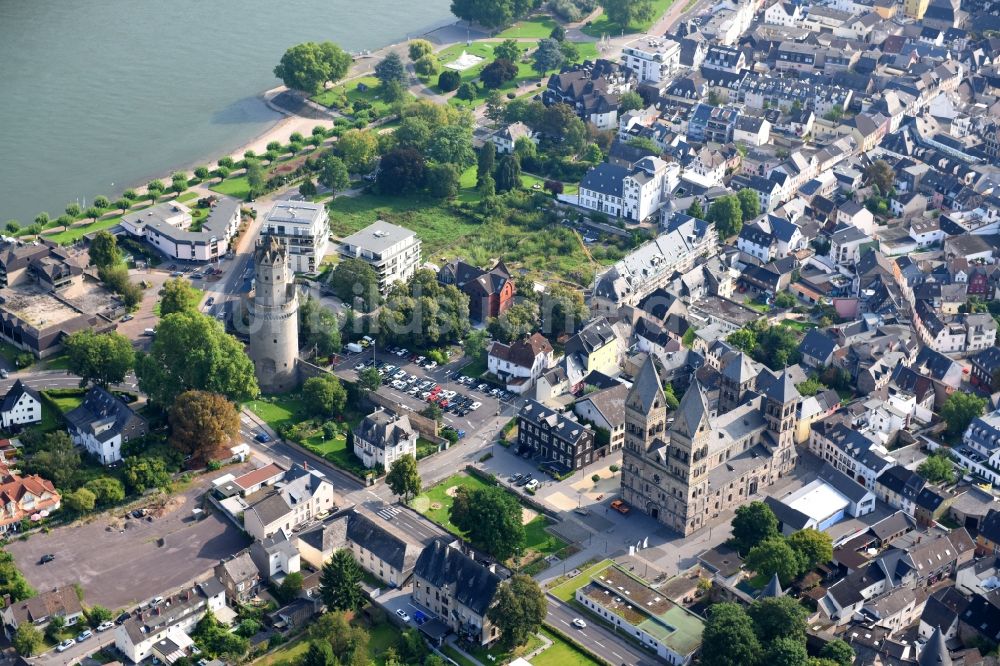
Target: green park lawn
{"points": [[562, 653], [343, 95], [601, 26], [435, 502], [538, 27], [566, 590], [238, 187], [447, 234], [74, 234], [278, 410]]}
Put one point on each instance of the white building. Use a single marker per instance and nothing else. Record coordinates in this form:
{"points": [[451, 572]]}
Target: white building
{"points": [[300, 497], [167, 227], [635, 193], [304, 228], [383, 437], [653, 59], [506, 139], [785, 14], [520, 363], [21, 405], [849, 451], [393, 251], [102, 424]]}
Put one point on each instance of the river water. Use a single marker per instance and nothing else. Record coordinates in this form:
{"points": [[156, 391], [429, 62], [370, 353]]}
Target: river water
{"points": [[100, 95]]}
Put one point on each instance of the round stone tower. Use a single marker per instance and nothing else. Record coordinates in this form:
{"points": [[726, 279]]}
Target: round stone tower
{"points": [[274, 319]]}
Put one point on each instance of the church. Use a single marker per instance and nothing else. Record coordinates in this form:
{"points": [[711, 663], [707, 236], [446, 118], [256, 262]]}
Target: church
{"points": [[724, 445]]}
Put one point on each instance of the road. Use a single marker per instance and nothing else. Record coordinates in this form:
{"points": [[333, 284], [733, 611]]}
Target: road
{"points": [[596, 638]]}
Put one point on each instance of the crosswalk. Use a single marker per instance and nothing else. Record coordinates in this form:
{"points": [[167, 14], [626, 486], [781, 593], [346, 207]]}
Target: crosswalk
{"points": [[389, 512]]}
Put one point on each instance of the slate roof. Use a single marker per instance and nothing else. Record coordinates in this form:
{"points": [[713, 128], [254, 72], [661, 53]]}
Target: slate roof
{"points": [[773, 588], [14, 394], [474, 585], [935, 653], [522, 353], [99, 409], [783, 390], [818, 344], [902, 481], [646, 389], [692, 413], [389, 548], [605, 178], [385, 429]]}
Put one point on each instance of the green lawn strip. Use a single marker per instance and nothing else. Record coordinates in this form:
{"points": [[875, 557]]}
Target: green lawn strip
{"points": [[457, 656], [59, 362], [562, 653], [601, 26], [425, 448], [800, 326], [435, 502], [539, 540], [381, 637], [238, 187], [289, 653], [278, 410], [539, 27], [483, 654], [344, 95], [73, 234], [566, 591], [335, 451], [186, 196]]}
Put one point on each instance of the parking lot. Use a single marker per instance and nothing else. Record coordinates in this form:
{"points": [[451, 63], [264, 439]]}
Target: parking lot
{"points": [[120, 562], [467, 407]]}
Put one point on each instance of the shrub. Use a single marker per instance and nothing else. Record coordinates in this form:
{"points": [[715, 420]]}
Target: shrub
{"points": [[449, 80]]}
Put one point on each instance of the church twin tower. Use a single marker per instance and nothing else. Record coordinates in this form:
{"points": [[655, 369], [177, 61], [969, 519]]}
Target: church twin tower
{"points": [[711, 458]]}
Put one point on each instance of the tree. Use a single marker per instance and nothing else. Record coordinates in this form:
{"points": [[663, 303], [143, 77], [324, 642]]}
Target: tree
{"points": [[490, 13], [566, 133], [729, 638], [340, 582], [881, 174], [786, 652], [508, 176], [743, 339], [491, 519], [354, 278], [812, 547], [519, 321], [443, 181], [80, 501], [467, 91], [390, 70], [42, 219], [324, 395], [753, 523], [122, 204], [780, 617], [422, 312], [216, 639], [401, 171], [427, 65], [154, 188], [202, 424], [749, 203], [497, 73], [193, 351], [727, 214], [55, 458], [369, 380], [548, 56], [101, 358], [97, 614], [309, 66], [202, 172], [418, 48], [142, 473], [335, 174], [630, 101], [318, 654], [74, 210], [107, 490], [518, 611], [452, 144], [290, 588], [449, 80], [179, 183], [558, 33], [960, 409], [177, 295], [938, 467], [695, 210], [403, 477], [255, 177], [839, 652], [627, 12], [563, 310], [670, 397], [358, 149], [773, 556], [784, 299], [307, 188], [27, 639], [319, 328], [104, 250], [485, 161], [508, 50]]}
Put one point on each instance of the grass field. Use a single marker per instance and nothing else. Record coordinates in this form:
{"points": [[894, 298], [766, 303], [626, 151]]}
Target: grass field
{"points": [[67, 402], [278, 410], [73, 234], [344, 95], [238, 187], [446, 235], [534, 28], [566, 590], [435, 501], [562, 653], [602, 26]]}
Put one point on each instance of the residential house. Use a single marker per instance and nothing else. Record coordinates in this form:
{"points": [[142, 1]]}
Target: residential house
{"points": [[39, 610], [103, 423], [988, 539], [605, 409], [985, 371], [853, 214], [240, 576], [383, 437], [817, 348], [559, 442], [490, 292], [849, 451], [898, 487], [24, 497], [392, 251], [591, 89], [301, 496], [594, 348], [653, 60], [459, 590], [752, 131], [980, 449], [505, 139], [633, 193], [519, 364], [22, 405], [276, 556]]}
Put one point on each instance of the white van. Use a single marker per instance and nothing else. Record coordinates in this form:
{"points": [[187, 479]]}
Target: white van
{"points": [[150, 332]]}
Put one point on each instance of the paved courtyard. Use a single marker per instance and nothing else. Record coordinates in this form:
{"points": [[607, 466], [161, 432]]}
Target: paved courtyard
{"points": [[122, 562]]}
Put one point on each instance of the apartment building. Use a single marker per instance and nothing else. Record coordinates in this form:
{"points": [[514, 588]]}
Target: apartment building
{"points": [[304, 229], [393, 251]]}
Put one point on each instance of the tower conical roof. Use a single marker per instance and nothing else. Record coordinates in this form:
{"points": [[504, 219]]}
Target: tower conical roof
{"points": [[935, 653], [783, 389], [692, 413], [646, 389], [739, 368], [773, 588]]}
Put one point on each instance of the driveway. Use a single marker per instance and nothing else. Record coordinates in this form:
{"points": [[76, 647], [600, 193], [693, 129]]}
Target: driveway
{"points": [[122, 562]]}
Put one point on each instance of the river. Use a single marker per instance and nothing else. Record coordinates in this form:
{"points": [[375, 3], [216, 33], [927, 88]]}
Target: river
{"points": [[100, 95]]}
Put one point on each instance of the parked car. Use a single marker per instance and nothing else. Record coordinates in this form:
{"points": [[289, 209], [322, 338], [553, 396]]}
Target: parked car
{"points": [[104, 626], [128, 317], [46, 558], [579, 624], [65, 645], [84, 635], [402, 615], [620, 506], [514, 478], [122, 619], [524, 480], [532, 485]]}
